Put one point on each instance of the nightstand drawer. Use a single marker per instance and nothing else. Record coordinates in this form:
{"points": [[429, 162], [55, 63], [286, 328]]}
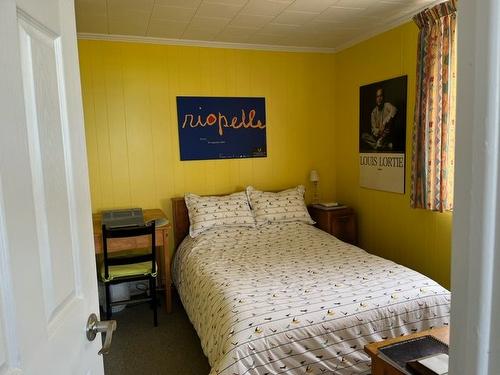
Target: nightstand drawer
{"points": [[344, 228]]}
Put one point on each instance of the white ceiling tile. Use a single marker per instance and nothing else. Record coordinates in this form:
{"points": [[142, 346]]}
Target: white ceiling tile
{"points": [[337, 14], [238, 31], [407, 3], [171, 13], [311, 5], [230, 38], [351, 25], [129, 27], [217, 10], [303, 39], [250, 21], [96, 3], [227, 2], [179, 3], [278, 29], [235, 34], [94, 24], [327, 27], [131, 5], [166, 29], [199, 33], [265, 7], [294, 18], [260, 38], [295, 43], [127, 15], [360, 4], [333, 35], [382, 10], [211, 24], [313, 23], [93, 7]]}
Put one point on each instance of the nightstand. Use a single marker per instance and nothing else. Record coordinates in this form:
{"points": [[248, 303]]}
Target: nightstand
{"points": [[340, 222]]}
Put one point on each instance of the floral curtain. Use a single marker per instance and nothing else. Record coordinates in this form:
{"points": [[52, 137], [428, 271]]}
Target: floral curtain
{"points": [[434, 128]]}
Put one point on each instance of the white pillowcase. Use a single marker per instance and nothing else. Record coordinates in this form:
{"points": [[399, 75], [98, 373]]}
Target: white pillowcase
{"points": [[284, 206], [212, 211]]}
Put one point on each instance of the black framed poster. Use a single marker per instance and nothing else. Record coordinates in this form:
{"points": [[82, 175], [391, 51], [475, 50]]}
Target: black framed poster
{"points": [[221, 127], [382, 135]]}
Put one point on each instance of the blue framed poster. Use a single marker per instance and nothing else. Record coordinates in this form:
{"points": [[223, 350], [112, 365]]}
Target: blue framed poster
{"points": [[221, 127]]}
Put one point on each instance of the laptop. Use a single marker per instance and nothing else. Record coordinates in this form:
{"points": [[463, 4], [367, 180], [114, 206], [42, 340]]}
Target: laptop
{"points": [[129, 217]]}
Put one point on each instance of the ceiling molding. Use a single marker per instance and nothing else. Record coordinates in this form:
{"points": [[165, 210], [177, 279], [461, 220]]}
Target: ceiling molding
{"points": [[382, 29], [201, 43]]}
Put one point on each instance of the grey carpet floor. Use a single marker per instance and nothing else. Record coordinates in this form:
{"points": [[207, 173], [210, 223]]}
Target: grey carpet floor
{"points": [[139, 348]]}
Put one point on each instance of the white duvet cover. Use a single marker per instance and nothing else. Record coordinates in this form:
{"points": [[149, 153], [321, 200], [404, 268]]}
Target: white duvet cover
{"points": [[291, 299]]}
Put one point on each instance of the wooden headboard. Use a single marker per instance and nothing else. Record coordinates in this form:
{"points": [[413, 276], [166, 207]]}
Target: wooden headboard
{"points": [[180, 220]]}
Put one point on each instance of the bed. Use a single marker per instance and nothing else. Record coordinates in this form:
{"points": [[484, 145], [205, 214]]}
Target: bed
{"points": [[288, 298]]}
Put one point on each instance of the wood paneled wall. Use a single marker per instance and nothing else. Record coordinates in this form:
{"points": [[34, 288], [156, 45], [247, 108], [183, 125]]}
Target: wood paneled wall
{"points": [[129, 94]]}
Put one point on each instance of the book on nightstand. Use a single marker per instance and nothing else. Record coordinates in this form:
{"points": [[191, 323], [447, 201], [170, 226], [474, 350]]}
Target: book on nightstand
{"points": [[423, 355], [329, 205]]}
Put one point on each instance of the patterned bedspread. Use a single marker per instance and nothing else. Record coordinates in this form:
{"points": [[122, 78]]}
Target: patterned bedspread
{"points": [[291, 299]]}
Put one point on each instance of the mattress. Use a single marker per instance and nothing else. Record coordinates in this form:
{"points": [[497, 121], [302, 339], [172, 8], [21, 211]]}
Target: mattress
{"points": [[292, 299]]}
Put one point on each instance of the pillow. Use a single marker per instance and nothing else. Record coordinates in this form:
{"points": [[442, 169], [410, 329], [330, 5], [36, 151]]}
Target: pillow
{"points": [[211, 212], [285, 206]]}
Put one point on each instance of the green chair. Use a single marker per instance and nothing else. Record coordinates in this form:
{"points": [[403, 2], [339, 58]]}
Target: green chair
{"points": [[130, 265]]}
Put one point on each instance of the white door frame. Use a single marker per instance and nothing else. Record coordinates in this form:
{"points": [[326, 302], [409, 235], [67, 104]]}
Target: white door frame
{"points": [[475, 311]]}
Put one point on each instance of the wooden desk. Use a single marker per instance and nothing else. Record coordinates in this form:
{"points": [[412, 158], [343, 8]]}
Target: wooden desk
{"points": [[380, 367], [118, 244]]}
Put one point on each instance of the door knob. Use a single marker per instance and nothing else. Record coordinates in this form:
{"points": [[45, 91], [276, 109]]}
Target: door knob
{"points": [[107, 327]]}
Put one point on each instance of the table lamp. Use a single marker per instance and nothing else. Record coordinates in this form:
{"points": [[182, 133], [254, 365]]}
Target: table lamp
{"points": [[314, 178]]}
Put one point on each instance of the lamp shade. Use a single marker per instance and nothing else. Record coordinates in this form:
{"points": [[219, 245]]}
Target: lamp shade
{"points": [[314, 176]]}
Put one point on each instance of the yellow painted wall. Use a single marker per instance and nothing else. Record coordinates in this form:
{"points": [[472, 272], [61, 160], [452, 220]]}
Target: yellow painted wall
{"points": [[387, 225], [129, 97], [312, 101]]}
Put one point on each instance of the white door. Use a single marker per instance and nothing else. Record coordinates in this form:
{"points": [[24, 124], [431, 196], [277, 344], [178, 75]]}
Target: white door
{"points": [[48, 282]]}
